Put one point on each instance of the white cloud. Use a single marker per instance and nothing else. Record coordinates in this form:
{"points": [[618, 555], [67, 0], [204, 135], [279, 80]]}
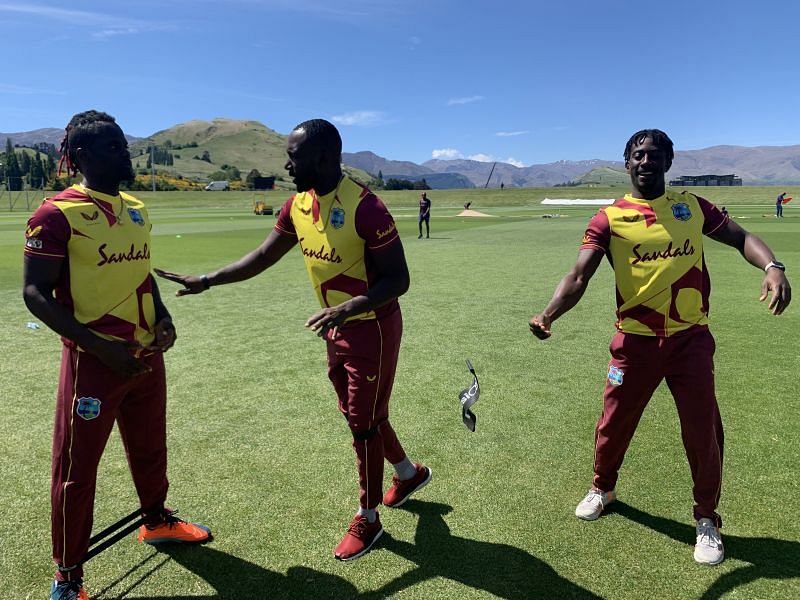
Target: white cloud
{"points": [[109, 25], [446, 154], [466, 100], [453, 154], [361, 118], [511, 133]]}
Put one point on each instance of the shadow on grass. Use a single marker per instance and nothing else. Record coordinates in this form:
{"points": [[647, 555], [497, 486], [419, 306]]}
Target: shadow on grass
{"points": [[769, 558], [500, 569], [232, 578]]}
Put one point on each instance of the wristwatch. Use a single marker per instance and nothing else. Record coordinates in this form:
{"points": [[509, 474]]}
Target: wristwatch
{"points": [[775, 264]]}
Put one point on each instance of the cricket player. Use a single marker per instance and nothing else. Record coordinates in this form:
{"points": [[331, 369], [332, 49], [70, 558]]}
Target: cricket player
{"points": [[87, 277], [653, 240], [355, 260]]}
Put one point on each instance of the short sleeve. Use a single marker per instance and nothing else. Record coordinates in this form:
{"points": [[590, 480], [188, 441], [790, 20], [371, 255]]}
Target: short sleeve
{"points": [[375, 224], [48, 233], [284, 225], [598, 233], [713, 218]]}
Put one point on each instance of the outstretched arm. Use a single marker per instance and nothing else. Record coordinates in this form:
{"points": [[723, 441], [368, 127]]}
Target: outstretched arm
{"points": [[267, 254], [568, 292], [758, 254]]}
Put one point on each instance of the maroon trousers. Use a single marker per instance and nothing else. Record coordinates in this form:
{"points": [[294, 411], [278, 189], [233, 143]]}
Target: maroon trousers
{"points": [[90, 399], [638, 364], [361, 365]]}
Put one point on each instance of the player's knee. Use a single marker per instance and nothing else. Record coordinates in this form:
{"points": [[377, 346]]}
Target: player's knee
{"points": [[364, 434]]}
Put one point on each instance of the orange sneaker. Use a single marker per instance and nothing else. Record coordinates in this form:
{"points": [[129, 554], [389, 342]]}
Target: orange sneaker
{"points": [[68, 590], [360, 537], [401, 489], [174, 530]]}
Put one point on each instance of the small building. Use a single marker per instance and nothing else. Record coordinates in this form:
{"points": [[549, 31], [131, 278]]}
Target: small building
{"points": [[693, 180]]}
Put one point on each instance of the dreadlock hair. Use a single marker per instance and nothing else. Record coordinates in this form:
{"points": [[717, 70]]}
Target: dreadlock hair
{"points": [[80, 129], [660, 139], [322, 134]]}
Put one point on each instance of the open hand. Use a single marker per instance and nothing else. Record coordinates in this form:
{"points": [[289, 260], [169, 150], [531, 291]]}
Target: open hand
{"points": [[191, 283], [327, 319], [775, 282]]}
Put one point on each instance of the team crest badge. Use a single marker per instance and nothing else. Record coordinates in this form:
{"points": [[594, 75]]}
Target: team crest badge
{"points": [[681, 211], [136, 216], [615, 375], [88, 408], [337, 218]]}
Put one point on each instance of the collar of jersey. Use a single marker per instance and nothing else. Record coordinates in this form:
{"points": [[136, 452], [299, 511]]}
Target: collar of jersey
{"points": [[630, 198], [97, 195]]}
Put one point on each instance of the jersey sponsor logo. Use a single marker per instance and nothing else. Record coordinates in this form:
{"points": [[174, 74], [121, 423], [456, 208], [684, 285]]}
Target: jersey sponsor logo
{"points": [[681, 211], [88, 408], [92, 217], [615, 375], [321, 254], [34, 243], [136, 216], [382, 234], [668, 252], [337, 218], [118, 257]]}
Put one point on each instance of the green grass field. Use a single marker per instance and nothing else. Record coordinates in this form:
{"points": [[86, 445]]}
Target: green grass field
{"points": [[259, 452]]}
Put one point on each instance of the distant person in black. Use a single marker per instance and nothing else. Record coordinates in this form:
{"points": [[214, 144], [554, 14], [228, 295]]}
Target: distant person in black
{"points": [[724, 211], [779, 206], [424, 215]]}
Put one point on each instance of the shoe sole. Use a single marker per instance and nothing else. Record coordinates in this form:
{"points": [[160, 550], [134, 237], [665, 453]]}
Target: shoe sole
{"points": [[422, 484], [364, 551], [169, 540]]}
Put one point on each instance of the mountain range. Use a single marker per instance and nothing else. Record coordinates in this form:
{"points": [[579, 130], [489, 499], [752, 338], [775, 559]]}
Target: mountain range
{"points": [[251, 145]]}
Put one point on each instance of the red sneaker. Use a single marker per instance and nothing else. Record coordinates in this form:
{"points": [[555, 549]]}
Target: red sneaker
{"points": [[360, 537], [401, 490], [174, 530]]}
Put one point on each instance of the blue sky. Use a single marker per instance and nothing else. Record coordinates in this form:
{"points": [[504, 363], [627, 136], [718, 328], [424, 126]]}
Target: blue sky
{"points": [[525, 82]]}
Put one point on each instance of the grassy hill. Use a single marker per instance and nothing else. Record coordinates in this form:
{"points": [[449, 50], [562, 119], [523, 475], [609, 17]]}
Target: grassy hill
{"points": [[246, 145], [604, 177]]}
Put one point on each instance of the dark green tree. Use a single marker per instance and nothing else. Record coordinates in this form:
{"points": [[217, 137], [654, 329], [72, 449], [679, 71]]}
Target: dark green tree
{"points": [[13, 171], [250, 179]]}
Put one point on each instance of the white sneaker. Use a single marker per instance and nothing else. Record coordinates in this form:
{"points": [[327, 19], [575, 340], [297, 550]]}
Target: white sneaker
{"points": [[593, 504], [708, 550]]}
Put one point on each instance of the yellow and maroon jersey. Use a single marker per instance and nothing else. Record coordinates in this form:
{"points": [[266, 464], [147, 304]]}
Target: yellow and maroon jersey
{"points": [[104, 242], [656, 250], [338, 233]]}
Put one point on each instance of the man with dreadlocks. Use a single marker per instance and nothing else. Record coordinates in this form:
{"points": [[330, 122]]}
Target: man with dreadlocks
{"points": [[653, 239], [87, 276], [356, 263]]}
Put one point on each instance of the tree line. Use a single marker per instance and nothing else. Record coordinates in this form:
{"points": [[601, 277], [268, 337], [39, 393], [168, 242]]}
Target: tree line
{"points": [[36, 169]]}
